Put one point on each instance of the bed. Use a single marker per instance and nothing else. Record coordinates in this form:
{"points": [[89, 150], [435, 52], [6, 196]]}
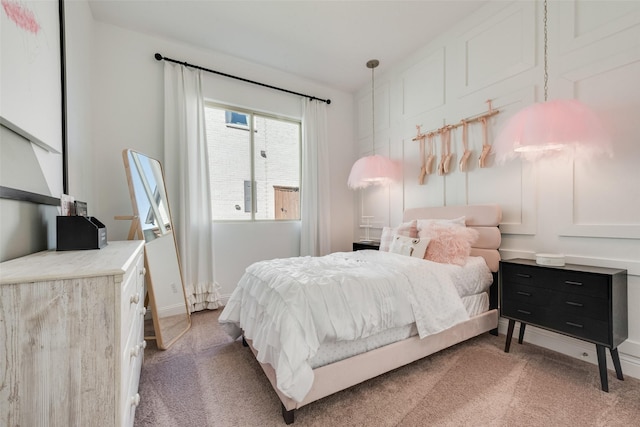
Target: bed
{"points": [[400, 309]]}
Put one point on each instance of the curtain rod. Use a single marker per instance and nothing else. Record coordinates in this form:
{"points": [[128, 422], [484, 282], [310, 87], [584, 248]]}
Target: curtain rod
{"points": [[186, 64]]}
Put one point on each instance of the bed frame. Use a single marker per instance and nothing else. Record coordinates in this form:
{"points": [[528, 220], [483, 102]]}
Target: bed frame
{"points": [[337, 376]]}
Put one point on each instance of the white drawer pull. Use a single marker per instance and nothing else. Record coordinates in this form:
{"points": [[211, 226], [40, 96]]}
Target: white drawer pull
{"points": [[143, 311], [143, 344], [135, 298], [143, 271], [135, 399], [135, 351]]}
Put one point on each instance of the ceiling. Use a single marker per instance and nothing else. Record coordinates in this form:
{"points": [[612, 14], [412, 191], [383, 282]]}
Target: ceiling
{"points": [[325, 41]]}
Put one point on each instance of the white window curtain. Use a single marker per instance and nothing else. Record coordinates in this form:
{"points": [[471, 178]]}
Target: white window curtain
{"points": [[315, 205], [187, 175]]}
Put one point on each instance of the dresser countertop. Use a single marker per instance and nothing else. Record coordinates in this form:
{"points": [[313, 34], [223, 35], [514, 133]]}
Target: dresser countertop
{"points": [[59, 265]]}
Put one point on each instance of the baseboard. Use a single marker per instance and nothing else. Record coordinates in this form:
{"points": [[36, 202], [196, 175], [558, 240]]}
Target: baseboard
{"points": [[578, 349]]}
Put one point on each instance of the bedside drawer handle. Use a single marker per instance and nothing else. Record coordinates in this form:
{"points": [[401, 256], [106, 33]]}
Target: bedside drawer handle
{"points": [[577, 325], [526, 294], [524, 312], [572, 283], [526, 276], [574, 304]]}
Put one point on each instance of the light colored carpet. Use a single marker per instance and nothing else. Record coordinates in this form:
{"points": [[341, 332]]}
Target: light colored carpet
{"points": [[206, 379]]}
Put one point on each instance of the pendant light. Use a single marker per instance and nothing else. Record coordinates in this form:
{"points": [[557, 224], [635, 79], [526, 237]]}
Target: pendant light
{"points": [[374, 169], [559, 126]]}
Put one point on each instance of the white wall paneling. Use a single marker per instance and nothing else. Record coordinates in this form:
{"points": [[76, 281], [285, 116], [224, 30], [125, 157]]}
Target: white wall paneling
{"points": [[592, 208], [497, 48], [580, 23], [423, 84]]}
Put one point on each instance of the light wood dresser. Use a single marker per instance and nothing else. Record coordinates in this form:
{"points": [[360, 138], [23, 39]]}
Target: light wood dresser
{"points": [[71, 336]]}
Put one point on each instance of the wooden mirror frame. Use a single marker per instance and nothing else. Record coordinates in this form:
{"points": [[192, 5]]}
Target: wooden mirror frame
{"points": [[136, 231]]}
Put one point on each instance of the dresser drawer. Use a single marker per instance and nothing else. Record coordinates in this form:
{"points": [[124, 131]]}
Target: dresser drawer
{"points": [[132, 298], [527, 294], [525, 275], [527, 313], [579, 283], [557, 279], [572, 303], [580, 305], [581, 327]]}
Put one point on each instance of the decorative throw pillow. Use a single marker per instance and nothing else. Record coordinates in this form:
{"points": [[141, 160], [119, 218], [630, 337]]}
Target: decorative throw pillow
{"points": [[410, 246], [409, 229], [448, 245]]}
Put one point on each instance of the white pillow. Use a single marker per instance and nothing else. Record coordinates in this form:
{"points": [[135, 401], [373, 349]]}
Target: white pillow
{"points": [[409, 246], [409, 228]]}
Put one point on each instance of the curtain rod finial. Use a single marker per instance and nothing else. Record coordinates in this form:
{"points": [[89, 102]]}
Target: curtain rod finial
{"points": [[328, 101], [158, 57]]}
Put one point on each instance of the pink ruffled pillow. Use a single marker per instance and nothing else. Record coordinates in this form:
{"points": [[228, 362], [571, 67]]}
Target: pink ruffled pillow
{"points": [[409, 229], [449, 244]]}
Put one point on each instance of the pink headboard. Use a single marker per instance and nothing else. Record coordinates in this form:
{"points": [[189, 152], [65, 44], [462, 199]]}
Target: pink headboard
{"points": [[484, 218]]}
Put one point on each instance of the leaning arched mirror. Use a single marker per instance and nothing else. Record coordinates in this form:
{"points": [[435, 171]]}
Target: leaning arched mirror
{"points": [[167, 300]]}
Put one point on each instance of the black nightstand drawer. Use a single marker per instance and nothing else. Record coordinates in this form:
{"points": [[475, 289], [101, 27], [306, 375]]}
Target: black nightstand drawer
{"points": [[528, 313], [581, 327], [570, 324], [557, 279], [525, 275], [578, 283], [577, 304], [580, 305], [527, 294]]}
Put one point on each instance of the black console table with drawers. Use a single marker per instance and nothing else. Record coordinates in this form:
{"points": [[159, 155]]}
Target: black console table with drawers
{"points": [[584, 302]]}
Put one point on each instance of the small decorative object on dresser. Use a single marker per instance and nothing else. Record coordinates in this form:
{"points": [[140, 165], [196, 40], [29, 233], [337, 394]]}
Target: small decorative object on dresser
{"points": [[358, 246], [583, 302], [72, 336]]}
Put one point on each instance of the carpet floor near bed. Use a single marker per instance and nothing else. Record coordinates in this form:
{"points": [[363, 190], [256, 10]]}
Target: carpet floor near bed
{"points": [[206, 379]]}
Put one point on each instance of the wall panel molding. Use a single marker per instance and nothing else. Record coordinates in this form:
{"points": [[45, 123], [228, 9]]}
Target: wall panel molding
{"points": [[579, 24], [498, 48], [423, 84], [626, 228], [525, 204]]}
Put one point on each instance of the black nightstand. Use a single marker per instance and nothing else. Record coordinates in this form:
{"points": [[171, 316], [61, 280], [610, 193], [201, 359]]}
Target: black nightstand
{"points": [[584, 302], [358, 246]]}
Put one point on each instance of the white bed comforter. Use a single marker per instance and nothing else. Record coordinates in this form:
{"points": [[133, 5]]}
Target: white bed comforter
{"points": [[289, 306]]}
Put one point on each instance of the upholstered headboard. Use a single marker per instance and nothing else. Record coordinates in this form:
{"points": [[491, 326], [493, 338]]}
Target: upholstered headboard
{"points": [[484, 218]]}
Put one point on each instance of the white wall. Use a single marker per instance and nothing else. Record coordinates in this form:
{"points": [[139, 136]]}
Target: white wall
{"points": [[589, 211], [127, 90], [79, 55], [28, 227]]}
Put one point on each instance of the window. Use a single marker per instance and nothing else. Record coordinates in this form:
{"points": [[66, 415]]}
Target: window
{"points": [[254, 175], [236, 119]]}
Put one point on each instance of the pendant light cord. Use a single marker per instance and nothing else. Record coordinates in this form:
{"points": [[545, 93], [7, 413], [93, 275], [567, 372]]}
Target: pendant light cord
{"points": [[373, 113], [373, 63], [546, 72]]}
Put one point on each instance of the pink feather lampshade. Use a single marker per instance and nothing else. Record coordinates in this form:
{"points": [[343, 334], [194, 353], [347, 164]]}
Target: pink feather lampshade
{"points": [[373, 170], [563, 126]]}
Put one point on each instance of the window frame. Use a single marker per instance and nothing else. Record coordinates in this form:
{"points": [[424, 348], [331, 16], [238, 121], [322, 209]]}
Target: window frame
{"points": [[250, 128]]}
